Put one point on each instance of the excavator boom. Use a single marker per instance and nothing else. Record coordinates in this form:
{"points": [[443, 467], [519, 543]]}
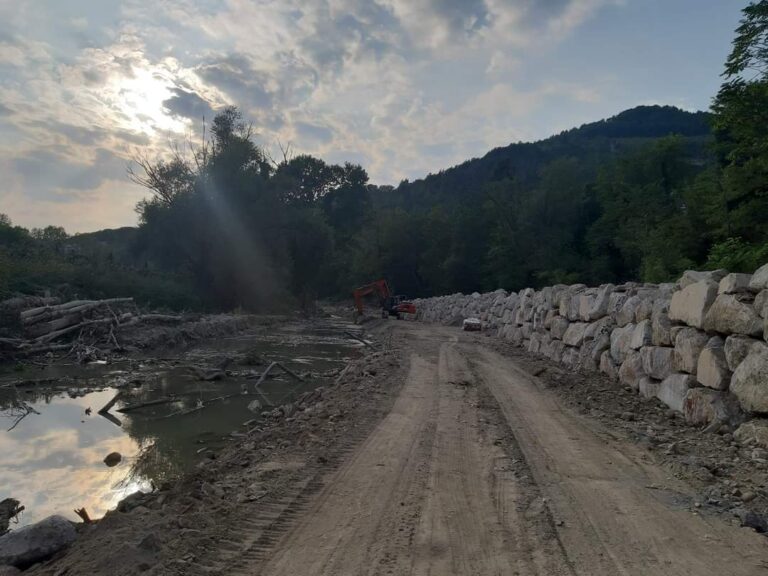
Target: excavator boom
{"points": [[390, 305]]}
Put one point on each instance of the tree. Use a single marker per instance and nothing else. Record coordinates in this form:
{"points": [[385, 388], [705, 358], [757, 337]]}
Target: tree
{"points": [[741, 127]]}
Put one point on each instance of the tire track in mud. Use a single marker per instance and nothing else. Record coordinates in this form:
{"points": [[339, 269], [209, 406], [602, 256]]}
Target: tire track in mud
{"points": [[609, 521], [250, 537], [253, 533], [483, 514], [349, 528]]}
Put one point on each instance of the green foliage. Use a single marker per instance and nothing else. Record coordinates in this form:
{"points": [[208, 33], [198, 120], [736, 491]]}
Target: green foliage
{"points": [[736, 255], [741, 126]]}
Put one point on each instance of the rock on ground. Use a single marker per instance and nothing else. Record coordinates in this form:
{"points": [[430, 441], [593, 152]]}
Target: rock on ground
{"points": [[34, 543], [702, 406], [753, 432]]}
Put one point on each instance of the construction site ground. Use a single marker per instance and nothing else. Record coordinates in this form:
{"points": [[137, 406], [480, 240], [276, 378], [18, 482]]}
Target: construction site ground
{"points": [[444, 452]]}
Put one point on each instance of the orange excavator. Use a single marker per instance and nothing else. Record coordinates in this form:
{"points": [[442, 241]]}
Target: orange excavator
{"points": [[390, 305]]}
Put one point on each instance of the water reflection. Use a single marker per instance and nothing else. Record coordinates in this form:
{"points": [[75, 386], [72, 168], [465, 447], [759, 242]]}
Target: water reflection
{"points": [[52, 461]]}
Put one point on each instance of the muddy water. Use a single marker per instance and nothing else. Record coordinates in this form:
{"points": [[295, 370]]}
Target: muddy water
{"points": [[52, 460]]}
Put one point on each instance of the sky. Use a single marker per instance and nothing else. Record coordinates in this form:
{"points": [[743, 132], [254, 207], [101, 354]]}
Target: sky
{"points": [[402, 87]]}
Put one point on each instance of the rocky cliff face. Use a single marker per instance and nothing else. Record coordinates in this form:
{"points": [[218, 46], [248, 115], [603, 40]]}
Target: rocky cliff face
{"points": [[699, 345]]}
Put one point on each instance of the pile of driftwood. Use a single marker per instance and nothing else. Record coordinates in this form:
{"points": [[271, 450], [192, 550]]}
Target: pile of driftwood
{"points": [[86, 324]]}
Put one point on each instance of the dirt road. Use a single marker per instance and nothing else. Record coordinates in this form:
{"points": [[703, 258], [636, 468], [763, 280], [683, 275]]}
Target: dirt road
{"points": [[479, 470]]}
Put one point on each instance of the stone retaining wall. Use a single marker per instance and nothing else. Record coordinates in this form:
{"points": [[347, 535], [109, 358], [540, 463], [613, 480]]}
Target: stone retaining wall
{"points": [[699, 345]]}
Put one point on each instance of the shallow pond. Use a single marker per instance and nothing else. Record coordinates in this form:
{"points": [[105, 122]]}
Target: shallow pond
{"points": [[52, 459]]}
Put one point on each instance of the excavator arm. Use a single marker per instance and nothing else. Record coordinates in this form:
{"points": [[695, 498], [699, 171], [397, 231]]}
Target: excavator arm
{"points": [[380, 288], [390, 305]]}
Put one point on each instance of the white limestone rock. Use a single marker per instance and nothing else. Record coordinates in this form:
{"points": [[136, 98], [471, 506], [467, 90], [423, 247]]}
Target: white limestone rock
{"points": [[737, 347], [702, 406], [631, 370], [559, 327], [759, 279], [621, 339], [648, 387], [734, 283], [661, 325], [712, 368], [689, 343], [761, 304], [750, 381], [691, 304], [641, 336], [608, 366], [574, 335], [657, 361], [731, 315], [673, 390], [692, 277], [627, 313]]}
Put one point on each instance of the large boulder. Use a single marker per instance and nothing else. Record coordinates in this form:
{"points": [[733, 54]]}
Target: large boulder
{"points": [[712, 368], [628, 311], [692, 277], [661, 333], [750, 381], [31, 544], [621, 340], [631, 371], [737, 347], [761, 304], [730, 315], [657, 361], [673, 390], [559, 327], [702, 406], [574, 335], [691, 304], [641, 336], [608, 366], [596, 329], [734, 283], [599, 305], [689, 343], [648, 387], [759, 279]]}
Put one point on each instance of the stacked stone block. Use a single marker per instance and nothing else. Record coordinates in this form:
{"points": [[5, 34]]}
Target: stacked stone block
{"points": [[699, 345]]}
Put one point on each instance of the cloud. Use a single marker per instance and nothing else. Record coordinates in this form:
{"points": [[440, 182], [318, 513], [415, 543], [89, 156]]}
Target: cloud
{"points": [[403, 86], [188, 105], [316, 133]]}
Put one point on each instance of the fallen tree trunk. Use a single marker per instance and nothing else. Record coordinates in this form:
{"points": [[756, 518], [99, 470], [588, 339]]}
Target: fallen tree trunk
{"points": [[58, 333], [75, 306], [132, 407]]}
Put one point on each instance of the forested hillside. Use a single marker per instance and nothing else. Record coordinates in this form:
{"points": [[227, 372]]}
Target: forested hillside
{"points": [[640, 196]]}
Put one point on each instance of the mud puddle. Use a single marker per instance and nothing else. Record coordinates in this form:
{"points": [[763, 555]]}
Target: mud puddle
{"points": [[173, 410]]}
